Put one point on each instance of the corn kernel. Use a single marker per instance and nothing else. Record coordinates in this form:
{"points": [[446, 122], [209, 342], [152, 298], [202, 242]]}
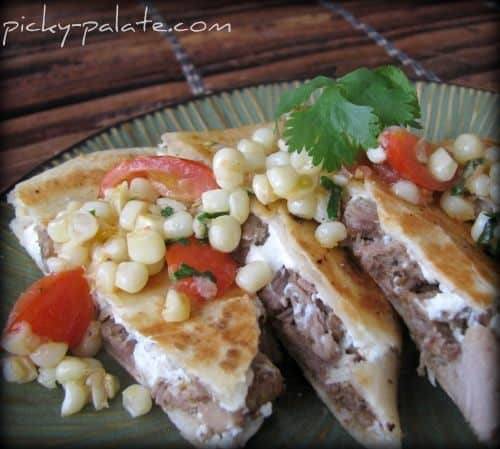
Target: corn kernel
{"points": [[142, 189], [239, 205], [71, 369], [131, 276], [75, 397], [266, 137], [137, 400], [457, 207], [47, 377], [330, 234], [95, 382], [254, 276], [224, 233], [146, 246], [130, 212], [82, 226], [18, 369], [48, 355], [111, 385], [20, 340], [99, 208], [177, 306], [116, 249]]}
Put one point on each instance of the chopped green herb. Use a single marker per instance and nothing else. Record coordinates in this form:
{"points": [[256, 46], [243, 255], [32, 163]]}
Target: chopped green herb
{"points": [[186, 271], [348, 114], [183, 240], [167, 211], [487, 233], [333, 206], [487, 236], [205, 216], [459, 188], [92, 212]]}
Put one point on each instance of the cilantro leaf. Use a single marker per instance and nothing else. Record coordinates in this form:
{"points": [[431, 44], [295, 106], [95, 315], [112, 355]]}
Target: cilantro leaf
{"points": [[167, 211], [332, 130], [205, 216], [294, 98], [186, 271], [393, 99], [348, 114], [92, 212], [333, 206]]}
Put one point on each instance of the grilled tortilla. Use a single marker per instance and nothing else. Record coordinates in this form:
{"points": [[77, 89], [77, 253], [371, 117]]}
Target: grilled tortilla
{"points": [[444, 287], [330, 316], [207, 373]]}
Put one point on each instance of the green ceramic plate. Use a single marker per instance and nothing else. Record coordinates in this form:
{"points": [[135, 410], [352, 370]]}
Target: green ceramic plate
{"points": [[30, 413]]}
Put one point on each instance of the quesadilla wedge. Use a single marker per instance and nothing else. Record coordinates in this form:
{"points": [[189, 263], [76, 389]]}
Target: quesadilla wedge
{"points": [[206, 372], [444, 287], [329, 315]]}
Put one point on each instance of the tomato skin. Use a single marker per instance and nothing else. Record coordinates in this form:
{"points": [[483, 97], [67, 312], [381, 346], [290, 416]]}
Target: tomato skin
{"points": [[58, 307], [173, 177], [202, 257], [401, 147]]}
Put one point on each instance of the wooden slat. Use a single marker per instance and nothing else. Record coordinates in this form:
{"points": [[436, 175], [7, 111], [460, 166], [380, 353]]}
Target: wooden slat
{"points": [[456, 40], [287, 42], [54, 97], [59, 76], [325, 63], [31, 139], [70, 75]]}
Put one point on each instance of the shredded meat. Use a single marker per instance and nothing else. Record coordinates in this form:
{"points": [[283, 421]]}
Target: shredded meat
{"points": [[315, 337], [468, 370], [349, 399], [309, 329], [254, 233], [193, 396], [401, 279]]}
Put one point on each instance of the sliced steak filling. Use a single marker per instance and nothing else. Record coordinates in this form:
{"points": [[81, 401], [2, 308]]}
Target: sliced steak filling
{"points": [[311, 332], [403, 282], [193, 397]]}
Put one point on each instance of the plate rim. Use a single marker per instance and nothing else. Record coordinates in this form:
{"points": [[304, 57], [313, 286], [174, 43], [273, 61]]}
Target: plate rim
{"points": [[35, 170], [141, 116]]}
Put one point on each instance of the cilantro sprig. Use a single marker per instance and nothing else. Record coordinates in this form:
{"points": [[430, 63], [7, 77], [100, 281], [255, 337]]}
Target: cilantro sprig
{"points": [[348, 114], [186, 271]]}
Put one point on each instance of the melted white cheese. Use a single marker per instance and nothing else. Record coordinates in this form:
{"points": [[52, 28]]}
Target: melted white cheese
{"points": [[443, 305], [154, 365], [31, 242]]}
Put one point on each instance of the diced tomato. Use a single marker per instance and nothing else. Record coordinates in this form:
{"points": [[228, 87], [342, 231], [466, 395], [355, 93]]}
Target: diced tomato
{"points": [[58, 307], [401, 147], [202, 257], [173, 177]]}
